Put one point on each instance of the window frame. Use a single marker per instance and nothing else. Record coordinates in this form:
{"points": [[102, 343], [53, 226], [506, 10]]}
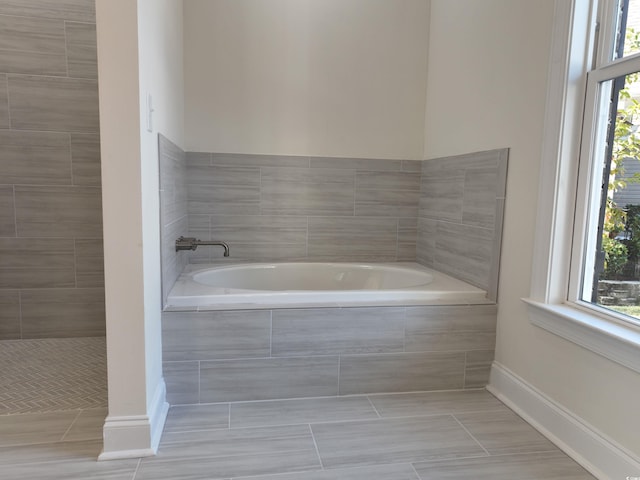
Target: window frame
{"points": [[553, 303]]}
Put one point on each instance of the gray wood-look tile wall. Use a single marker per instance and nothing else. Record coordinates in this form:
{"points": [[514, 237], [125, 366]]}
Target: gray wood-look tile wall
{"points": [[173, 210], [285, 353], [51, 256], [270, 207], [460, 217], [444, 213]]}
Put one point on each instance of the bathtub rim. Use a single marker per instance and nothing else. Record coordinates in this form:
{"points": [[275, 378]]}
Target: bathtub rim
{"points": [[454, 292]]}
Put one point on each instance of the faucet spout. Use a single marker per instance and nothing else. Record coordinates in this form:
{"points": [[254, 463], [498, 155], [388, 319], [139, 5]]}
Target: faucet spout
{"points": [[191, 243], [214, 242]]}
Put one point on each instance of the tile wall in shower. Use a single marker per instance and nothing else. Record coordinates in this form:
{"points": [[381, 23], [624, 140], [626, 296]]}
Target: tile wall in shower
{"points": [[51, 257]]}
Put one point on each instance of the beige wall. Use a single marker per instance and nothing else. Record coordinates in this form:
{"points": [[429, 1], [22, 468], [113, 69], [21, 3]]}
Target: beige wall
{"points": [[339, 78], [487, 82], [160, 29]]}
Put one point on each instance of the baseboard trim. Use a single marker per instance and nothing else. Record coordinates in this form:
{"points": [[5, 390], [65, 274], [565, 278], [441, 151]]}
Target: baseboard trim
{"points": [[134, 436], [598, 454], [158, 414]]}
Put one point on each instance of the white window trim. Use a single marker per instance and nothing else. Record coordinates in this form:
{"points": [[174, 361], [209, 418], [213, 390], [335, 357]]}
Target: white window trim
{"points": [[594, 329]]}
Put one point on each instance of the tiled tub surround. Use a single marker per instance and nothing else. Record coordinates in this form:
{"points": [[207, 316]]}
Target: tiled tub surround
{"points": [[302, 208], [444, 213], [287, 353], [51, 257], [173, 210], [271, 208], [460, 217]]}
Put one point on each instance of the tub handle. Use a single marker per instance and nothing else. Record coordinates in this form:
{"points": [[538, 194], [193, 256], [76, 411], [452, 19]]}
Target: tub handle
{"points": [[191, 243]]}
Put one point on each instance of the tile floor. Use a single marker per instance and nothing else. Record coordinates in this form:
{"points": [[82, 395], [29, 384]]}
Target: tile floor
{"points": [[413, 436]]}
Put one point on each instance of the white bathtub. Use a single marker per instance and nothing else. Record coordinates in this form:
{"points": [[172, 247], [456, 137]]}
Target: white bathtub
{"points": [[291, 285]]}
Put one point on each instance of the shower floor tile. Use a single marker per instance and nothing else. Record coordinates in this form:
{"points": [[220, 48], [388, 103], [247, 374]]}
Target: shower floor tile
{"points": [[52, 375]]}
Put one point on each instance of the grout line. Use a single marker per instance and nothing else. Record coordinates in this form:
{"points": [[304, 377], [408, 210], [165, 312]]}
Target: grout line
{"points": [[315, 444], [373, 406], [135, 472], [325, 422], [466, 430], [416, 472], [72, 424]]}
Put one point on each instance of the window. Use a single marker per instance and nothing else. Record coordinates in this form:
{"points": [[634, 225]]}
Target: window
{"points": [[606, 258], [592, 84]]}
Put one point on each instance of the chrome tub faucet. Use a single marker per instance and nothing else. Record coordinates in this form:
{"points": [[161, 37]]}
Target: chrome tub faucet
{"points": [[191, 243]]}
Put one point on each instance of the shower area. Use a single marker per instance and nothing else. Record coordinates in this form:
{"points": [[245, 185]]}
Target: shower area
{"points": [[52, 316]]}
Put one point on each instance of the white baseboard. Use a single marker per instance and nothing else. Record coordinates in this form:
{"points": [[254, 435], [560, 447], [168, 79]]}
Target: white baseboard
{"points": [[133, 436], [158, 414], [601, 456]]}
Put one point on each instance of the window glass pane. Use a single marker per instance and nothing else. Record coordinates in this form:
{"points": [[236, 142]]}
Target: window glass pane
{"points": [[629, 28], [612, 276]]}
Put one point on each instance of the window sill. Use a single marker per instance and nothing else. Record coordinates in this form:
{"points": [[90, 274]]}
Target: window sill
{"points": [[617, 342]]}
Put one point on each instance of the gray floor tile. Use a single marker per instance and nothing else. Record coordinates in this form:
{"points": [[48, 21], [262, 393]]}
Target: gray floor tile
{"points": [[87, 426], [86, 469], [51, 452], [312, 410], [399, 471], [395, 440], [503, 432], [218, 454], [434, 403], [541, 466], [33, 428], [187, 418]]}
